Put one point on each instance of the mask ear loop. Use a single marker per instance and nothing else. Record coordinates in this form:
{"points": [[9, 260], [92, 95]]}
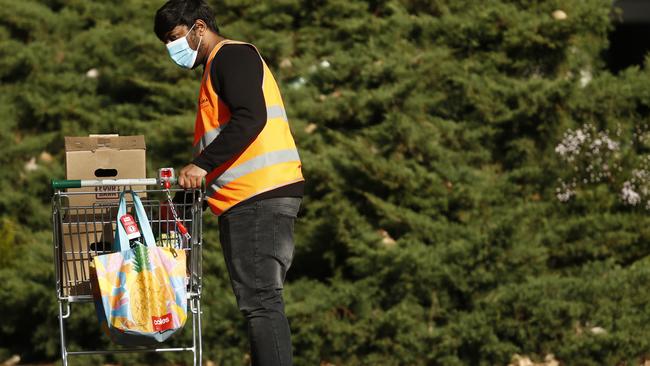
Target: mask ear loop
{"points": [[188, 32], [199, 45], [200, 39]]}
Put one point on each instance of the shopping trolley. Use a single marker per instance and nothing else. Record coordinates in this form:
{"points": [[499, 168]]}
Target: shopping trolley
{"points": [[82, 231]]}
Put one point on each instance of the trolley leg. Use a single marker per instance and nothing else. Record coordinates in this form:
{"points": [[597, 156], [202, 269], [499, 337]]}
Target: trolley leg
{"points": [[195, 309], [64, 351], [193, 332], [199, 346]]}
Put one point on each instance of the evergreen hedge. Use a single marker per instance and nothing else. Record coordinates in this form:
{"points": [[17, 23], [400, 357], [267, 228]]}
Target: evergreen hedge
{"points": [[430, 232]]}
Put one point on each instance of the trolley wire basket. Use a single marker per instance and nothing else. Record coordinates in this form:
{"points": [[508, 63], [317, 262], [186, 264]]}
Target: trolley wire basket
{"points": [[83, 231]]}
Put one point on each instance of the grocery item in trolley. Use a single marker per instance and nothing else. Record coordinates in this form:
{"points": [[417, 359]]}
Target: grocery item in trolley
{"points": [[140, 292]]}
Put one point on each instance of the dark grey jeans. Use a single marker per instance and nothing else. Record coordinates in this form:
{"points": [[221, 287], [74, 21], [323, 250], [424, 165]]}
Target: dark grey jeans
{"points": [[257, 243]]}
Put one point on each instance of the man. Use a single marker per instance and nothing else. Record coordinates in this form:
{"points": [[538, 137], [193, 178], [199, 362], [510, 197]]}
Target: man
{"points": [[244, 149]]}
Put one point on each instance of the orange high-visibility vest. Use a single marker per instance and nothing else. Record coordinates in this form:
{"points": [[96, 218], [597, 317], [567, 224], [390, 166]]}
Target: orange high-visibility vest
{"points": [[269, 162]]}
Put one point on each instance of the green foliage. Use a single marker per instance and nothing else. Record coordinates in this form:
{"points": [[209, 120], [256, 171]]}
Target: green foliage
{"points": [[28, 300], [7, 240], [430, 233]]}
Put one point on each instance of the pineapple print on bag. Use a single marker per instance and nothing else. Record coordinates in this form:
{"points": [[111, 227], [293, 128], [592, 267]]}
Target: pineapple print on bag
{"points": [[148, 298]]}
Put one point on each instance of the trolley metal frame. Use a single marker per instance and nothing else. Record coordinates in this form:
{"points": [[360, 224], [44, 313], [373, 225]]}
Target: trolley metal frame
{"points": [[83, 231]]}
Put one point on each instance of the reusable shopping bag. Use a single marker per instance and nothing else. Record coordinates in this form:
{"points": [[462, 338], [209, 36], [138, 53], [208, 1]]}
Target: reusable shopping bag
{"points": [[139, 292]]}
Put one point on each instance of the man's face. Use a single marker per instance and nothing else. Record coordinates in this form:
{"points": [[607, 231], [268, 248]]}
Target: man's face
{"points": [[181, 31], [193, 38]]}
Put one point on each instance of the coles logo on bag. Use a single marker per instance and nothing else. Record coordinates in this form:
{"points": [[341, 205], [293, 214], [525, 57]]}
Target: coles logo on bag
{"points": [[161, 323]]}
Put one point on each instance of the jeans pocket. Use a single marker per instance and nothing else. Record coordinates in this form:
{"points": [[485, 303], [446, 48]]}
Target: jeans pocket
{"points": [[283, 245]]}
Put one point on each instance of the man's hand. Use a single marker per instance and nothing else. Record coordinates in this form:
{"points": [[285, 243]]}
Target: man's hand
{"points": [[191, 176]]}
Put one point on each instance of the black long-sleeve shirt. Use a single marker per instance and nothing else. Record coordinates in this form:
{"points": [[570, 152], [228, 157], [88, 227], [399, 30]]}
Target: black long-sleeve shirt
{"points": [[237, 74]]}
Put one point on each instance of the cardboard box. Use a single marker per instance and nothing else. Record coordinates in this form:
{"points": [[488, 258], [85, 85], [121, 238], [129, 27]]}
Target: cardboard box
{"points": [[81, 241], [103, 157]]}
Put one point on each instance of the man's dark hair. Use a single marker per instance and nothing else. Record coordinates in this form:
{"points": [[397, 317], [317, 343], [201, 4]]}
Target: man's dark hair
{"points": [[182, 12]]}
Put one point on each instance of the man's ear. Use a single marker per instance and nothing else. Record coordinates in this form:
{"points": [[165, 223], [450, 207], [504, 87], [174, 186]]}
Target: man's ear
{"points": [[201, 27]]}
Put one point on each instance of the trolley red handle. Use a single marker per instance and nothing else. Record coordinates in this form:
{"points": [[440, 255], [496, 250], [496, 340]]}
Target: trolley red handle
{"points": [[181, 228]]}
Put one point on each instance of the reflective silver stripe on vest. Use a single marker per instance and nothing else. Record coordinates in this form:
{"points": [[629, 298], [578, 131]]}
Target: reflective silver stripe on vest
{"points": [[274, 111], [256, 163], [206, 139]]}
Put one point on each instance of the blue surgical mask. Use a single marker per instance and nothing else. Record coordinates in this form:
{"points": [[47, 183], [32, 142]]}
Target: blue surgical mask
{"points": [[181, 52]]}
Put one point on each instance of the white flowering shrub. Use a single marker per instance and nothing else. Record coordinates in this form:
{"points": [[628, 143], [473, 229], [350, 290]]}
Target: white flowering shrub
{"points": [[595, 156], [635, 189]]}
